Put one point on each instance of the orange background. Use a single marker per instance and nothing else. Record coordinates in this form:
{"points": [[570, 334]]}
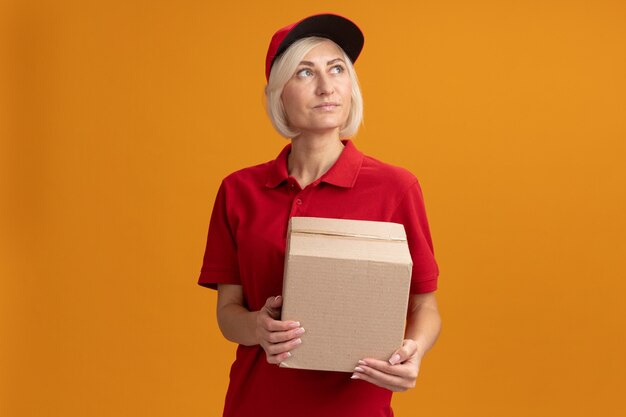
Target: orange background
{"points": [[119, 119]]}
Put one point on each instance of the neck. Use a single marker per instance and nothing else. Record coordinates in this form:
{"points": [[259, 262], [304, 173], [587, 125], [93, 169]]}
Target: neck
{"points": [[311, 156]]}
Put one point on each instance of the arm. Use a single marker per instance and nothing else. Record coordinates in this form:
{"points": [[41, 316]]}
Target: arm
{"points": [[236, 323], [261, 327], [423, 321], [422, 330]]}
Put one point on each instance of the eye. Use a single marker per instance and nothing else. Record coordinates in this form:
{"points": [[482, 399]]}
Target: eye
{"points": [[337, 69], [305, 72]]}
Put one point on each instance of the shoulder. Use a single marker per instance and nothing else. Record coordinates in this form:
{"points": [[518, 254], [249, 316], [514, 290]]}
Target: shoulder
{"points": [[256, 174], [398, 177]]}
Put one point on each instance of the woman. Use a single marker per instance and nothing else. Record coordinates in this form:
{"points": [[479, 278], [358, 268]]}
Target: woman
{"points": [[313, 98]]}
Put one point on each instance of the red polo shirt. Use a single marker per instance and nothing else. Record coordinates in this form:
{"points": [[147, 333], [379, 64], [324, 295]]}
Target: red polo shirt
{"points": [[246, 246]]}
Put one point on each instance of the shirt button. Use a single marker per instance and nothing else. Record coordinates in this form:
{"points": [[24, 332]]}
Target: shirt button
{"points": [[298, 202]]}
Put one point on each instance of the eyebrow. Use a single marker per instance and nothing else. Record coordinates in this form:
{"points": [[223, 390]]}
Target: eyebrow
{"points": [[310, 64]]}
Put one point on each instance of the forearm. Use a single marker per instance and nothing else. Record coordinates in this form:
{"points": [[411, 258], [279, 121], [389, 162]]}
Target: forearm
{"points": [[423, 326], [238, 324]]}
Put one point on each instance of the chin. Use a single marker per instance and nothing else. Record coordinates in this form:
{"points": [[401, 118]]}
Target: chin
{"points": [[329, 124]]}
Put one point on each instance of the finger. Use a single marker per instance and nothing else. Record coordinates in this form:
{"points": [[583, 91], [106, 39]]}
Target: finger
{"points": [[407, 350], [279, 326], [364, 377], [278, 337], [278, 348], [391, 382], [276, 359], [406, 370]]}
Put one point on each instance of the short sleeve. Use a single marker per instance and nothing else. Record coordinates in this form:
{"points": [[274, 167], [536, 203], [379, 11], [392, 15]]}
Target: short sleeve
{"points": [[220, 265], [412, 214]]}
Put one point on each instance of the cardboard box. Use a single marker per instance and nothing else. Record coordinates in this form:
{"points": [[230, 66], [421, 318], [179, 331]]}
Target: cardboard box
{"points": [[347, 283]]}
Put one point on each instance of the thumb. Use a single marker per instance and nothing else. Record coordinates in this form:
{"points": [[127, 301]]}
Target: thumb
{"points": [[274, 303], [408, 349]]}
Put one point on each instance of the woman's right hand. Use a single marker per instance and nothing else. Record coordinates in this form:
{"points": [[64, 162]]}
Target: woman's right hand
{"points": [[276, 337]]}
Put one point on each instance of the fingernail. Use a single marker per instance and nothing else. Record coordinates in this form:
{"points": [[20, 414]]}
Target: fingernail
{"points": [[294, 324], [300, 330], [277, 298], [288, 355], [394, 359], [358, 369], [298, 341], [354, 376], [362, 363]]}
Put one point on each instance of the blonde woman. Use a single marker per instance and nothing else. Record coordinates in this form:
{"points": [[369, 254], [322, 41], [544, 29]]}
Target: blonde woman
{"points": [[314, 100]]}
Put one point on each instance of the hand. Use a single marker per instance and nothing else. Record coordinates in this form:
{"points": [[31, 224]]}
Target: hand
{"points": [[398, 374], [276, 337]]}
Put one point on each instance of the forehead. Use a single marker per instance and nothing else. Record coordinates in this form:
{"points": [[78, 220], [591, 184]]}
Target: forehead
{"points": [[326, 50]]}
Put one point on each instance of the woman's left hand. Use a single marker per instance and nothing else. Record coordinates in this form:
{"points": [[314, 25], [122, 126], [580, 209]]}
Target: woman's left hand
{"points": [[398, 374]]}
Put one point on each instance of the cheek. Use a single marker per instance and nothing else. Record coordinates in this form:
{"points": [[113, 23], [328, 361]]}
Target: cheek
{"points": [[347, 98], [291, 100], [346, 92], [285, 98]]}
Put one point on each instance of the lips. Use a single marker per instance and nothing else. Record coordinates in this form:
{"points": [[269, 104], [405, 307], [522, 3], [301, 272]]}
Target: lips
{"points": [[327, 106]]}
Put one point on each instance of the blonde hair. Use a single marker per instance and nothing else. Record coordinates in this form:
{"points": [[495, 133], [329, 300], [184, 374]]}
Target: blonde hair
{"points": [[282, 71]]}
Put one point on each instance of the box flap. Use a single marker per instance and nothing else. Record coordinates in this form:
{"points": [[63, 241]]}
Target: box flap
{"points": [[351, 228], [348, 239]]}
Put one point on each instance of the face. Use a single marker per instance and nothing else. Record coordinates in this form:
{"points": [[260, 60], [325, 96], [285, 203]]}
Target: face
{"points": [[317, 98]]}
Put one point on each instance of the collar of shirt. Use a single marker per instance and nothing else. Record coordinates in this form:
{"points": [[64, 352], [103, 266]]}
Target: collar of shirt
{"points": [[342, 174]]}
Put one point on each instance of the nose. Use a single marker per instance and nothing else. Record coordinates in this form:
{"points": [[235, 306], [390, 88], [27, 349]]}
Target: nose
{"points": [[324, 85]]}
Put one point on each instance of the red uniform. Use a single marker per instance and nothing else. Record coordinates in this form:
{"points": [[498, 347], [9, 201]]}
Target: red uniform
{"points": [[246, 246]]}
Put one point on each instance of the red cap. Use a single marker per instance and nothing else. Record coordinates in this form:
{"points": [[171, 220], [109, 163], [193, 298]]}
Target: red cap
{"points": [[334, 27]]}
